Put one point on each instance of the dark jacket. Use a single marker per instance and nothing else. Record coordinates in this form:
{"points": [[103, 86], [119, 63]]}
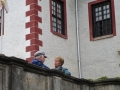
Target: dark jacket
{"points": [[64, 70], [39, 63]]}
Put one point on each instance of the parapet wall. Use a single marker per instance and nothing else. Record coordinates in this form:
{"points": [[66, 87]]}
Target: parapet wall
{"points": [[18, 74]]}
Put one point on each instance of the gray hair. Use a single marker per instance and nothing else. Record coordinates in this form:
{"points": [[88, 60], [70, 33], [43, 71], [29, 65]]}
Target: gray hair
{"points": [[39, 56]]}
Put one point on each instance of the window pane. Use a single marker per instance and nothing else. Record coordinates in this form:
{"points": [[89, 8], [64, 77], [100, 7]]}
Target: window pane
{"points": [[105, 17], [96, 18], [108, 15], [100, 17], [97, 14], [108, 11], [104, 12], [96, 9], [100, 13], [107, 6], [99, 8], [104, 7]]}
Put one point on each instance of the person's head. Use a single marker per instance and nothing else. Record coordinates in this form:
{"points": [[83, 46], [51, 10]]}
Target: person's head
{"points": [[59, 61], [40, 55]]}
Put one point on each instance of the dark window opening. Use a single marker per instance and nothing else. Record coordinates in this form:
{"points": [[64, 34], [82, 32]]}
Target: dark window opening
{"points": [[58, 17], [102, 24]]}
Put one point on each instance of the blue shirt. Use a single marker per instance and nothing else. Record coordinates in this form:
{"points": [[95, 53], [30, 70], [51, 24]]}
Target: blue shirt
{"points": [[39, 63], [64, 70]]}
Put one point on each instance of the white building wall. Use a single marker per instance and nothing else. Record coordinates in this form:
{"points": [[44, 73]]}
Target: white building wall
{"points": [[99, 58], [14, 29]]}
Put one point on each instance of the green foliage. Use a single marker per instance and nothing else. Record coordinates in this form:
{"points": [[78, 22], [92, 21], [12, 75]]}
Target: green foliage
{"points": [[117, 77], [103, 78], [90, 79]]}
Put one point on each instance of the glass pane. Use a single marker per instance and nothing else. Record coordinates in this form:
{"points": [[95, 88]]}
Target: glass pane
{"points": [[96, 9], [54, 19], [59, 11], [54, 13], [104, 7], [107, 6], [108, 15], [54, 29], [59, 22], [59, 7], [96, 18], [100, 17], [100, 13], [59, 15], [60, 27], [54, 3], [97, 14], [104, 12], [105, 17], [54, 9], [108, 11], [54, 24], [99, 8]]}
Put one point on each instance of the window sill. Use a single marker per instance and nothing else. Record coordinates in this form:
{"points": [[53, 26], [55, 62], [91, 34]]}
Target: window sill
{"points": [[102, 37], [60, 35]]}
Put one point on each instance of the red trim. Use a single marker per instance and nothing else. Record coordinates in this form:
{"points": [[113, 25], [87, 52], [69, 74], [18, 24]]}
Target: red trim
{"points": [[35, 6], [113, 18], [35, 42], [31, 36], [33, 52], [32, 12], [90, 17], [31, 23], [32, 48], [36, 30], [31, 1], [35, 18], [65, 21]]}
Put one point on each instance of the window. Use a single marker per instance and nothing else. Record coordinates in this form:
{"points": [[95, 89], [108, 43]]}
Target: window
{"points": [[101, 19], [58, 17]]}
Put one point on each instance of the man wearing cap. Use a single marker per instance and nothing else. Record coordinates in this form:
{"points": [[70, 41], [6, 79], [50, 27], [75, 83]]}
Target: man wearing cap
{"points": [[39, 59]]}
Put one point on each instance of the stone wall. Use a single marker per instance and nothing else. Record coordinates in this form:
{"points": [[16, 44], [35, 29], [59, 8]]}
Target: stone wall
{"points": [[18, 74]]}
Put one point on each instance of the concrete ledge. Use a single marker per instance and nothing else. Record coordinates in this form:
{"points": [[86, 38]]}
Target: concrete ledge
{"points": [[16, 68]]}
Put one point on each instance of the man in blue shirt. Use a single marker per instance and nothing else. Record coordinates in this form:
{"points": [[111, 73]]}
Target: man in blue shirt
{"points": [[40, 59]]}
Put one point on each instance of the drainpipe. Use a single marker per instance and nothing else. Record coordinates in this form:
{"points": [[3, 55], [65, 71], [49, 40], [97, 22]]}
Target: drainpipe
{"points": [[78, 40]]}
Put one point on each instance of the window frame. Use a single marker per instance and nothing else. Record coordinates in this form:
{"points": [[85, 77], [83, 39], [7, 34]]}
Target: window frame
{"points": [[91, 19], [65, 20]]}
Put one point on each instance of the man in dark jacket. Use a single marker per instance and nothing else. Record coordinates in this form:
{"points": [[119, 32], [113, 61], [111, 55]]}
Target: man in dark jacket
{"points": [[39, 59]]}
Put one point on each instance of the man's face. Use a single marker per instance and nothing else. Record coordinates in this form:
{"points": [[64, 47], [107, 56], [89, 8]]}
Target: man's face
{"points": [[42, 58], [57, 63]]}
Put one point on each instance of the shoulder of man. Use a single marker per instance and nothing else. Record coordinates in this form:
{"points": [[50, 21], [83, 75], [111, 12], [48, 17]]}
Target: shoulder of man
{"points": [[34, 61]]}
